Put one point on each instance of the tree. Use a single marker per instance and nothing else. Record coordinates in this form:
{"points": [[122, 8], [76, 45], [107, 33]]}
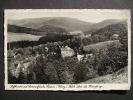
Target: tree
{"points": [[51, 73]]}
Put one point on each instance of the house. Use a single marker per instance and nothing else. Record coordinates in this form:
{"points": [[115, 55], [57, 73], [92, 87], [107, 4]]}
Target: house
{"points": [[67, 52]]}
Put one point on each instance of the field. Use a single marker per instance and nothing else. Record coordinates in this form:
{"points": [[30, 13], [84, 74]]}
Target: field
{"points": [[12, 37], [102, 45]]}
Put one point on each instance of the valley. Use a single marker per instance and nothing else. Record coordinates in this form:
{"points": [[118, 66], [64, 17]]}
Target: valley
{"points": [[61, 50]]}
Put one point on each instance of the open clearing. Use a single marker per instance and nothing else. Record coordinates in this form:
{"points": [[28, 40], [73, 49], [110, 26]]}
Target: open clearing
{"points": [[102, 45]]}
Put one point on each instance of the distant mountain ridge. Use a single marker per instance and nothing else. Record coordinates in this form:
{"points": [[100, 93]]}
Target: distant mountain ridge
{"points": [[103, 24], [70, 24], [63, 25]]}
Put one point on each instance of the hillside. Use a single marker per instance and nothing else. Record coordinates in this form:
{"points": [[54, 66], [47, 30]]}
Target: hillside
{"points": [[70, 24], [108, 31], [111, 32], [28, 20], [103, 24], [102, 45], [49, 29], [21, 30], [45, 30], [121, 76]]}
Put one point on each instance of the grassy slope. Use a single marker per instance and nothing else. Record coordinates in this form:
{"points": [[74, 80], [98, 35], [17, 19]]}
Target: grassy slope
{"points": [[120, 76], [101, 45]]}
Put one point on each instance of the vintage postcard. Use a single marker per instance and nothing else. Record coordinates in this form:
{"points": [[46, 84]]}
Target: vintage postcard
{"points": [[67, 49]]}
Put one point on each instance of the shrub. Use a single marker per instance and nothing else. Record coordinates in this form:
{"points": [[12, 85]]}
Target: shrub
{"points": [[111, 61], [51, 73], [63, 71]]}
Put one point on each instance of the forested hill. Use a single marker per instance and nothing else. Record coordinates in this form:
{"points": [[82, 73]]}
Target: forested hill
{"points": [[20, 30], [105, 23], [70, 24], [45, 30], [49, 29], [108, 31], [97, 26]]}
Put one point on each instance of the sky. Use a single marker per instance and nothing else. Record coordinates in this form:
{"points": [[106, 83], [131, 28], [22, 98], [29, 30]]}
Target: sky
{"points": [[88, 15]]}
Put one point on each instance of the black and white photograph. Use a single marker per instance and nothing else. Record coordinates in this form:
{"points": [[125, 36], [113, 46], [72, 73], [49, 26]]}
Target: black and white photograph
{"points": [[67, 49]]}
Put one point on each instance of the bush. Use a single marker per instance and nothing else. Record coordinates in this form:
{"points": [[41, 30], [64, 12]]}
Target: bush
{"points": [[63, 70], [111, 61], [51, 73]]}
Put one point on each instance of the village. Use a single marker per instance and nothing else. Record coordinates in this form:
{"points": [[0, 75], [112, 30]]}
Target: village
{"points": [[26, 65], [21, 63]]}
